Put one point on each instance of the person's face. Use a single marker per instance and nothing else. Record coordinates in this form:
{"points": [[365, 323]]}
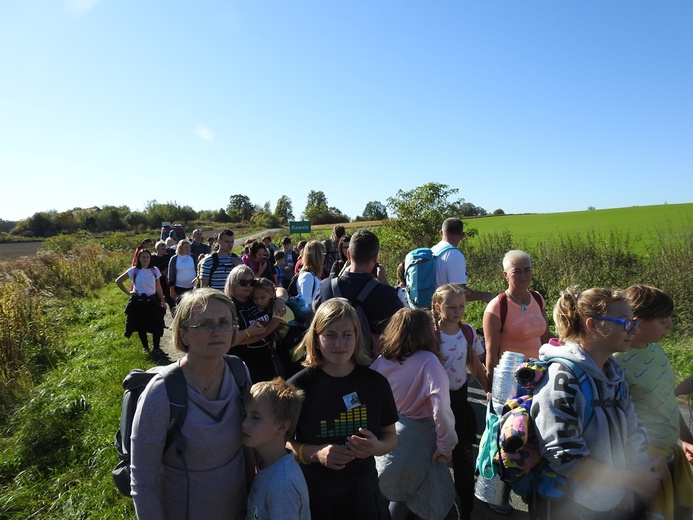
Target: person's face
{"points": [[183, 248], [197, 237], [287, 246], [260, 255], [161, 249], [267, 242], [210, 344], [244, 288], [261, 298], [260, 428], [451, 309], [652, 331], [612, 336], [145, 258], [519, 275], [226, 244], [337, 343]]}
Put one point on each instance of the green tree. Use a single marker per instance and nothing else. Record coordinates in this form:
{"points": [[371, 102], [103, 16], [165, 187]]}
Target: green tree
{"points": [[221, 216], [374, 210], [419, 214], [317, 210], [284, 210], [240, 208]]}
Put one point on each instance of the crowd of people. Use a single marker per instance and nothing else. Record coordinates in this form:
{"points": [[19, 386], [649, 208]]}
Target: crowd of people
{"points": [[359, 408]]}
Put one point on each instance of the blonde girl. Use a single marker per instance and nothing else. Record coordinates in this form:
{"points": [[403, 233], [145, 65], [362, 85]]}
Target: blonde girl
{"points": [[459, 356], [308, 282], [347, 419], [604, 457], [414, 476]]}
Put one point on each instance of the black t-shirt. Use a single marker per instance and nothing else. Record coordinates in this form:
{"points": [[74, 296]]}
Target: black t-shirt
{"points": [[379, 306], [336, 407]]}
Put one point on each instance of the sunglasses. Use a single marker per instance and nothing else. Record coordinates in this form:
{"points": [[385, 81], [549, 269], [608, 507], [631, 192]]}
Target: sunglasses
{"points": [[246, 283], [628, 325]]}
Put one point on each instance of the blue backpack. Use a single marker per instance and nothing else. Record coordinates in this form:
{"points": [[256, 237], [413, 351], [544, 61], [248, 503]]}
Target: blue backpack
{"points": [[420, 275]]}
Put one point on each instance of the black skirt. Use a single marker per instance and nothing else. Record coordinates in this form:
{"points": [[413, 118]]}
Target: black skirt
{"points": [[144, 314]]}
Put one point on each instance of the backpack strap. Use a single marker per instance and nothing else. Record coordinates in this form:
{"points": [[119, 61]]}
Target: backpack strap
{"points": [[585, 383], [237, 368], [367, 289], [334, 285], [469, 336], [215, 264]]}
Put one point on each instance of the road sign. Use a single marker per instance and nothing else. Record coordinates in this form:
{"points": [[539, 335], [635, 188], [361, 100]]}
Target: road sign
{"points": [[299, 226]]}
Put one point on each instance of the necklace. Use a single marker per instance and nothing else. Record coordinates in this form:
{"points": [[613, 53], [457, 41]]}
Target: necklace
{"points": [[523, 305], [209, 381]]}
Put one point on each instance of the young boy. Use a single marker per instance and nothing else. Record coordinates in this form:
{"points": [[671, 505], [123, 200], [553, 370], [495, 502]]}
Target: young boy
{"points": [[279, 490], [651, 382], [279, 263]]}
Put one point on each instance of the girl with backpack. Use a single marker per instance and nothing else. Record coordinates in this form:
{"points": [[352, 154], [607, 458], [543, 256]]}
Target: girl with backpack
{"points": [[603, 454], [460, 349], [415, 476], [146, 309]]}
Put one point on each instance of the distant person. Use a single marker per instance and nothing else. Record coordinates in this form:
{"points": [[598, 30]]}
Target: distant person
{"points": [[279, 264], [331, 251], [451, 266], [290, 258], [343, 256], [172, 239], [299, 251], [145, 244], [181, 271], [256, 258], [308, 283], [213, 273], [197, 246], [524, 328], [402, 285], [271, 248], [161, 260], [382, 302], [651, 381], [279, 490], [146, 308], [211, 480]]}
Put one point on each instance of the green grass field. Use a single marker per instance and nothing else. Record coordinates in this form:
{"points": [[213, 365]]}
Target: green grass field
{"points": [[643, 223]]}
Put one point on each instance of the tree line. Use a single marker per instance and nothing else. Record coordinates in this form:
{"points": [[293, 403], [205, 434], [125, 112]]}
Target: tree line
{"points": [[239, 210]]}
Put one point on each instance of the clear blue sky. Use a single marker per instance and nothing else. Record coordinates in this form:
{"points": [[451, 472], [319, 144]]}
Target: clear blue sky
{"points": [[528, 106]]}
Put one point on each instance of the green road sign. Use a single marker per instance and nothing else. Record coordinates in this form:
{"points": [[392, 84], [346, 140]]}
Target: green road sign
{"points": [[299, 226]]}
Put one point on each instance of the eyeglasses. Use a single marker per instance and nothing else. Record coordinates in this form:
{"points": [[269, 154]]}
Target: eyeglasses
{"points": [[208, 328], [628, 325], [246, 283]]}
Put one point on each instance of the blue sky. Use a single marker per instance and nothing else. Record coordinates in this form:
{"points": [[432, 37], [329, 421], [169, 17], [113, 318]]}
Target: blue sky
{"points": [[528, 106]]}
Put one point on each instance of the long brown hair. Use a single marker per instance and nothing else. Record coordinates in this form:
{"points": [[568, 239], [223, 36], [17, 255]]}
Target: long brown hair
{"points": [[408, 331]]}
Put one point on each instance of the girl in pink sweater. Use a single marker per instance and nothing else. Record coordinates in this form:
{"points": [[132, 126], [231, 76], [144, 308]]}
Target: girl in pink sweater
{"points": [[415, 476]]}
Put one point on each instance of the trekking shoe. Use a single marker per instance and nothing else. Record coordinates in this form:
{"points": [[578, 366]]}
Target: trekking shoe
{"points": [[157, 352]]}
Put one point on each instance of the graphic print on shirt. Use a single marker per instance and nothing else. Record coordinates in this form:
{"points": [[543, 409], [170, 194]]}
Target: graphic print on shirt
{"points": [[348, 422]]}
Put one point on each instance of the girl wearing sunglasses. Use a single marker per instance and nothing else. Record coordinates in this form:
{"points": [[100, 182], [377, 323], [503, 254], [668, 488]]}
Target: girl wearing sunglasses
{"points": [[603, 456]]}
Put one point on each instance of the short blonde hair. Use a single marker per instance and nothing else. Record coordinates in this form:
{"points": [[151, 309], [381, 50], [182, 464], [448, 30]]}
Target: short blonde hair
{"points": [[329, 312], [236, 275], [284, 401], [191, 303]]}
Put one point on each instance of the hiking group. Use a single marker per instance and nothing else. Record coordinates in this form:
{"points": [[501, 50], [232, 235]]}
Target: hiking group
{"points": [[349, 399]]}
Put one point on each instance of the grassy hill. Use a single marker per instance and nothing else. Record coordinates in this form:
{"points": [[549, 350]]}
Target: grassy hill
{"points": [[644, 224]]}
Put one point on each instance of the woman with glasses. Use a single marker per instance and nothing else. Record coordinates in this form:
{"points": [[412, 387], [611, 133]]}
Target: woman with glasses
{"points": [[208, 480], [602, 454], [253, 344], [515, 320]]}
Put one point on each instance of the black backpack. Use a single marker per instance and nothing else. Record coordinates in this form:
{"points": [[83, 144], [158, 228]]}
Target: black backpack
{"points": [[134, 384], [368, 339]]}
